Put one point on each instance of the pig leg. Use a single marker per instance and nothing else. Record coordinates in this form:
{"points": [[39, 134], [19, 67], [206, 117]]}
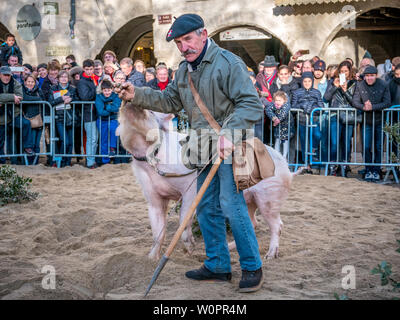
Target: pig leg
{"points": [[187, 235], [157, 216], [269, 205]]}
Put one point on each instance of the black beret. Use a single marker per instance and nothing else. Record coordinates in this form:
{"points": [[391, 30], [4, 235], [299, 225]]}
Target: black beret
{"points": [[184, 24]]}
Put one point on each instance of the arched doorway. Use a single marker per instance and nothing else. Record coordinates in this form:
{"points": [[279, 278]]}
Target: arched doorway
{"points": [[137, 33], [375, 31], [3, 32], [251, 44], [143, 49]]}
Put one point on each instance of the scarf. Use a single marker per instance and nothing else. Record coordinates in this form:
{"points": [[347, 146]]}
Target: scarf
{"points": [[94, 78], [53, 81], [279, 83], [162, 85], [196, 62]]}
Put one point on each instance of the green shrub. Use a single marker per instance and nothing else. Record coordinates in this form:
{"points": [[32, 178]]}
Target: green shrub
{"points": [[14, 188]]}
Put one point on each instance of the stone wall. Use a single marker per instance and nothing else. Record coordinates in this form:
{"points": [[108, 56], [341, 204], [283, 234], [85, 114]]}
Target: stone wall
{"points": [[118, 23]]}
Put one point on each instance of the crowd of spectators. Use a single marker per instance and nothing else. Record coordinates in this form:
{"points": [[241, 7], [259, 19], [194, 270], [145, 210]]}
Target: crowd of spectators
{"points": [[89, 127], [80, 128], [304, 85]]}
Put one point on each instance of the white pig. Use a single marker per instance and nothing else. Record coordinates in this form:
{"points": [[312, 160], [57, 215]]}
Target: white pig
{"points": [[137, 125]]}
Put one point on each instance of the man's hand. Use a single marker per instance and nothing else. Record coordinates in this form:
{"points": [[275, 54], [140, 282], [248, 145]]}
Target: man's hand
{"points": [[17, 99], [67, 99], [225, 147], [367, 106], [126, 91]]}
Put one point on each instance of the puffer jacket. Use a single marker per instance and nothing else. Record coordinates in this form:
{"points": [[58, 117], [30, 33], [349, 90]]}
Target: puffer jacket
{"points": [[108, 107], [226, 89], [307, 100], [378, 94], [7, 92]]}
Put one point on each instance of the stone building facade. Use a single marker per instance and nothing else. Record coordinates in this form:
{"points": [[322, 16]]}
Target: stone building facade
{"points": [[331, 29]]}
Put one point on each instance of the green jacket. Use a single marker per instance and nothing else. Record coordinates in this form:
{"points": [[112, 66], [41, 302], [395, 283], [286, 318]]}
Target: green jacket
{"points": [[8, 98], [223, 83]]}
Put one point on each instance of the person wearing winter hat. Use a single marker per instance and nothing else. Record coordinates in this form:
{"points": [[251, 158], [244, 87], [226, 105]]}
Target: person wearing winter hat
{"points": [[307, 98], [372, 95]]}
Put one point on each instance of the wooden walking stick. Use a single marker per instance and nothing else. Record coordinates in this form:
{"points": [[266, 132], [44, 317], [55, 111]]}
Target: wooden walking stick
{"points": [[184, 223]]}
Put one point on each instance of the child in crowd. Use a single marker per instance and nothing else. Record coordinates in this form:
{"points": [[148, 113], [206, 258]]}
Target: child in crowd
{"points": [[279, 112], [307, 98], [9, 48], [107, 106]]}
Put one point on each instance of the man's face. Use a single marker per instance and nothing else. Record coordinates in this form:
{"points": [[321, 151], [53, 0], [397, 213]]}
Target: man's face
{"points": [[370, 78], [108, 57], [191, 45], [42, 72], [98, 70], [69, 61], [10, 41], [364, 62], [126, 69], [283, 75], [318, 74], [5, 78], [260, 68], [269, 71], [397, 73], [107, 92], [12, 61], [307, 67], [88, 71], [162, 75]]}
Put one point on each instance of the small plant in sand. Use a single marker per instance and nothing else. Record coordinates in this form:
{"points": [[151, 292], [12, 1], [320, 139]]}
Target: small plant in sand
{"points": [[14, 188], [394, 133]]}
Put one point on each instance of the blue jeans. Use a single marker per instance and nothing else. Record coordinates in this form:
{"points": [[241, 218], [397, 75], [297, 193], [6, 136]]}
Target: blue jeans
{"points": [[36, 135], [66, 141], [91, 142], [324, 136], [221, 202], [338, 130], [372, 156], [316, 139], [107, 134]]}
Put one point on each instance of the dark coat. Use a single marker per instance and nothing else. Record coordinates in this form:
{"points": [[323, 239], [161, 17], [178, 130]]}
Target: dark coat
{"points": [[379, 96], [283, 114], [108, 107], [87, 92], [394, 89], [71, 115], [307, 100], [32, 110], [136, 78]]}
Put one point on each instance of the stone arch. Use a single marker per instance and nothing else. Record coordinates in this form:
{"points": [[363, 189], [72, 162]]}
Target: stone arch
{"points": [[123, 40], [360, 9], [3, 31]]}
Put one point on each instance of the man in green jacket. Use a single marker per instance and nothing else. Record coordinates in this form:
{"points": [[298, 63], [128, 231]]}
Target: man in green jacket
{"points": [[10, 116], [222, 80]]}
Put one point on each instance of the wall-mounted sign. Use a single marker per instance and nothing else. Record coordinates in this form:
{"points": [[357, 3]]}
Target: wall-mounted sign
{"points": [[50, 8], [165, 19], [55, 51], [242, 34], [29, 22]]}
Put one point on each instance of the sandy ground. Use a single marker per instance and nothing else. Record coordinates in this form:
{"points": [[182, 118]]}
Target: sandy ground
{"points": [[92, 227]]}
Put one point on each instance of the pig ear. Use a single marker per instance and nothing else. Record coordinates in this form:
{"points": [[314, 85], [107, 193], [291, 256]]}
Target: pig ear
{"points": [[165, 122], [117, 131]]}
